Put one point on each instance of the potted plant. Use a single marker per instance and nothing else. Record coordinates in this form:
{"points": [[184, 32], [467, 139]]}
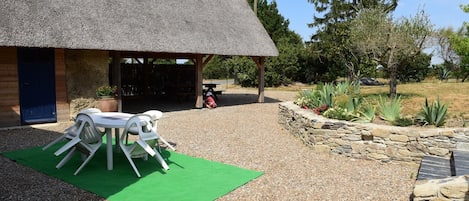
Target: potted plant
{"points": [[106, 91], [107, 98]]}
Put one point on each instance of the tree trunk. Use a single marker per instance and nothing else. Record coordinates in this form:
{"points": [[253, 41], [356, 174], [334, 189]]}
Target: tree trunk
{"points": [[392, 75], [393, 81]]}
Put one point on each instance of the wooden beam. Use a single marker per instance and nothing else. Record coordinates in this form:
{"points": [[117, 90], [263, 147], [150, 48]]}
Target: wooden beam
{"points": [[207, 59], [138, 61], [159, 55]]}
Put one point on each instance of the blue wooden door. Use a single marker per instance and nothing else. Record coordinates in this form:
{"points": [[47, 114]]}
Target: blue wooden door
{"points": [[36, 73]]}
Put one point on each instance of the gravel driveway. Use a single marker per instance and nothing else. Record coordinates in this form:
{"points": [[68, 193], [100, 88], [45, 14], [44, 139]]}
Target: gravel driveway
{"points": [[238, 132]]}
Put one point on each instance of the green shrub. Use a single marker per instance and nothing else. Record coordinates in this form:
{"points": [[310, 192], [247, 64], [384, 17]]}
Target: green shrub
{"points": [[344, 97], [389, 109], [434, 114], [320, 109], [307, 99], [339, 113], [403, 122]]}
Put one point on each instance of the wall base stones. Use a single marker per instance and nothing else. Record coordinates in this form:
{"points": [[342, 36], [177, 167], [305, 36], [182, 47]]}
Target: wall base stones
{"points": [[452, 188]]}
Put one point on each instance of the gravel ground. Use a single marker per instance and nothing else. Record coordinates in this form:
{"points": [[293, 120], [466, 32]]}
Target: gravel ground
{"points": [[238, 132]]}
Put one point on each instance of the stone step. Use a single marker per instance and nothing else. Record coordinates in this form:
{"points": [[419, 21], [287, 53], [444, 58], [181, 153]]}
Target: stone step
{"points": [[461, 162], [434, 167]]}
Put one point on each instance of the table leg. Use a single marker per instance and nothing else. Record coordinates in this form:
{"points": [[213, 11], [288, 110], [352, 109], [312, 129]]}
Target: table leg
{"points": [[109, 148], [116, 134]]}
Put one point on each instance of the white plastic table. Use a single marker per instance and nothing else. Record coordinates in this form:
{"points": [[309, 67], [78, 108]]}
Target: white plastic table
{"points": [[108, 121]]}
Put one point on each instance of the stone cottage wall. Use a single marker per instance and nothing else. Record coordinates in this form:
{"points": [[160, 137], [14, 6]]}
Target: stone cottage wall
{"points": [[86, 70], [370, 141]]}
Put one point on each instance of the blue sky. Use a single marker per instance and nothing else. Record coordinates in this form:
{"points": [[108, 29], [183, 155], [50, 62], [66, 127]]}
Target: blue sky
{"points": [[443, 13]]}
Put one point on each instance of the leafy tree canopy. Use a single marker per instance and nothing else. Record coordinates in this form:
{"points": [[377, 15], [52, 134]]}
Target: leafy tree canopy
{"points": [[332, 38]]}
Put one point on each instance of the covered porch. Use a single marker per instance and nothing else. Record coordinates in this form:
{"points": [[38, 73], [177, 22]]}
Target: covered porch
{"points": [[147, 79]]}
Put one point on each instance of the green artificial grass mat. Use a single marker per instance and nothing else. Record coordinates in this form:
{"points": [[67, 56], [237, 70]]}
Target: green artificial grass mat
{"points": [[188, 178]]}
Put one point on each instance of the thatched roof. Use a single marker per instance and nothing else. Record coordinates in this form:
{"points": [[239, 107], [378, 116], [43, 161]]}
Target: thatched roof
{"points": [[222, 27]]}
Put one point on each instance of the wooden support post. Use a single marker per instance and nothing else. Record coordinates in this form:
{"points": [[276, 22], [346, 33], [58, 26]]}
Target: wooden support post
{"points": [[146, 76], [198, 81], [260, 61], [199, 66], [116, 77]]}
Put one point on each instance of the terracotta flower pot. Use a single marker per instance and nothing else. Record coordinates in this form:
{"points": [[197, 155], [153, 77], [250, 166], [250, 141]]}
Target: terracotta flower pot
{"points": [[107, 104]]}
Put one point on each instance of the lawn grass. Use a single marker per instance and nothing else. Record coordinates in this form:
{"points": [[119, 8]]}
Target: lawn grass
{"points": [[454, 94]]}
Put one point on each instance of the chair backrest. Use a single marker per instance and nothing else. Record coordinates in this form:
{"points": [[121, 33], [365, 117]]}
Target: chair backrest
{"points": [[90, 110], [140, 123], [72, 131], [155, 115], [87, 130]]}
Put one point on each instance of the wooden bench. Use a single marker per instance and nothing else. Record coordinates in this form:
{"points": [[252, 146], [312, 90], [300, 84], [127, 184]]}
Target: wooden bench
{"points": [[214, 92], [434, 167]]}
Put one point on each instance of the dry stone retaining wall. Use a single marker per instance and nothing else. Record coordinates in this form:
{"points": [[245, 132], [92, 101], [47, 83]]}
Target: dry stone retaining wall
{"points": [[370, 141], [382, 143]]}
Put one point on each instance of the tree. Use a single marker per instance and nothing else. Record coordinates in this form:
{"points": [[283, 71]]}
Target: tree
{"points": [[215, 70], [445, 50], [388, 42], [460, 44], [332, 38], [278, 70], [283, 69], [414, 68]]}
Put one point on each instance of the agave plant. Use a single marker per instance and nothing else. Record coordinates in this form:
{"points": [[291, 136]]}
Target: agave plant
{"points": [[366, 114], [389, 109], [327, 95], [342, 88], [443, 74], [433, 114]]}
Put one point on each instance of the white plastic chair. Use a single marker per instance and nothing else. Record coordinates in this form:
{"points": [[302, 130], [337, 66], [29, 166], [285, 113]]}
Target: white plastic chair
{"points": [[155, 115], [87, 142], [71, 131], [90, 110], [145, 144]]}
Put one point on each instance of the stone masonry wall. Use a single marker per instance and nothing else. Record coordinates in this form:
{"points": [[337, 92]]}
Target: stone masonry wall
{"points": [[382, 143], [86, 71], [370, 141]]}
